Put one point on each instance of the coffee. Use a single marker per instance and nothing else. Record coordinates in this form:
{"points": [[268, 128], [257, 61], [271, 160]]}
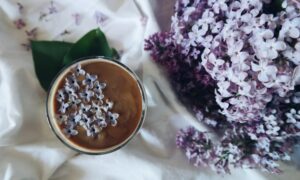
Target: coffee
{"points": [[95, 105]]}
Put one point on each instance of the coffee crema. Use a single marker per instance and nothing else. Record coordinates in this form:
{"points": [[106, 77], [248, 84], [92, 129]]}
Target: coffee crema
{"points": [[95, 105]]}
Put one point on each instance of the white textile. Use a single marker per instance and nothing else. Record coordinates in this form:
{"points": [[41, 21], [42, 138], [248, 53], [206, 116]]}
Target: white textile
{"points": [[28, 148]]}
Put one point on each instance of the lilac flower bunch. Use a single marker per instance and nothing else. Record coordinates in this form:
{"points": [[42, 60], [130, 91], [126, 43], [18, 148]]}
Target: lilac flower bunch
{"points": [[236, 64], [82, 106]]}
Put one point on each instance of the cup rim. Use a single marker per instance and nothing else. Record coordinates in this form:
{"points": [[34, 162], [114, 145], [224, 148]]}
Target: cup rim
{"points": [[115, 147]]}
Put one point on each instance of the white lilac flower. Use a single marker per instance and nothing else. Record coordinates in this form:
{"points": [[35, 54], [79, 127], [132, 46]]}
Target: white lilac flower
{"points": [[296, 98], [70, 91], [99, 98], [84, 108], [273, 131], [195, 53], [252, 136], [79, 71], [217, 27], [98, 87], [108, 105], [205, 41], [218, 5], [260, 129], [95, 107], [213, 60], [280, 81], [177, 34], [63, 107], [87, 94], [234, 47], [194, 34], [85, 121], [270, 121], [223, 88], [286, 157], [290, 28], [292, 116], [60, 97], [256, 158], [247, 4], [210, 122], [263, 143], [69, 131], [245, 89], [74, 102], [293, 55], [89, 80], [61, 119], [237, 77], [100, 121], [221, 103], [297, 45], [241, 102], [112, 118], [74, 117], [271, 47], [251, 26], [72, 82], [204, 23], [93, 130], [266, 71], [188, 12]]}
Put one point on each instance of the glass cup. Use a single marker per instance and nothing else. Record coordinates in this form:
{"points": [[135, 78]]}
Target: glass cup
{"points": [[51, 112]]}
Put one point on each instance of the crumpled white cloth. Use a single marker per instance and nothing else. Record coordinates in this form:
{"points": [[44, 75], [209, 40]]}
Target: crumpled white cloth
{"points": [[28, 148]]}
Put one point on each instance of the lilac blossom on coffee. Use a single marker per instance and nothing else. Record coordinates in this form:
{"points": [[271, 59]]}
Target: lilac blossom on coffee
{"points": [[235, 63], [81, 104]]}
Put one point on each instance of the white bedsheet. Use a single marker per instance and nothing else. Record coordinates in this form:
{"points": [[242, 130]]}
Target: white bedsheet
{"points": [[28, 148]]}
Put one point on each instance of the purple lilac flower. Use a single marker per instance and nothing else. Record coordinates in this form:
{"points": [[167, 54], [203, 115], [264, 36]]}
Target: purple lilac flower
{"points": [[19, 23], [233, 64], [100, 17], [65, 32], [52, 9], [32, 34], [77, 18], [26, 46], [20, 7], [42, 16]]}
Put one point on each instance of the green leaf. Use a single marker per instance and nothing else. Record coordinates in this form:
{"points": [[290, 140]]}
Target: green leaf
{"points": [[115, 54], [51, 56], [94, 43], [48, 59]]}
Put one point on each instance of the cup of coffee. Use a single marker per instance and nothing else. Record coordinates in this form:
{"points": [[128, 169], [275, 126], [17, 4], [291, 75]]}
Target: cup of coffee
{"points": [[96, 105]]}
